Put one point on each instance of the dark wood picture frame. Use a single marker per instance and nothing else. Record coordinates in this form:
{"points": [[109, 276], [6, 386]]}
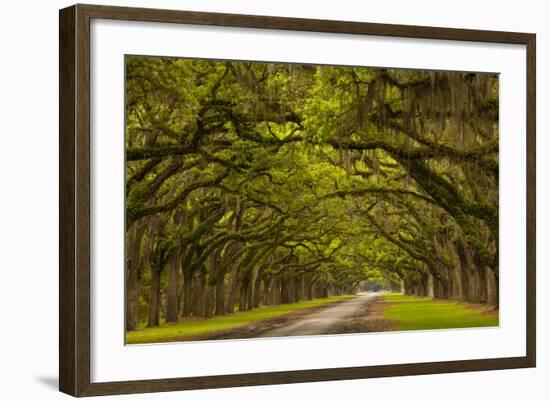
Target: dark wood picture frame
{"points": [[74, 203]]}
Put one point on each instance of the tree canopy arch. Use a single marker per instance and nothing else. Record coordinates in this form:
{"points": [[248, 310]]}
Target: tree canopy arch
{"points": [[261, 183]]}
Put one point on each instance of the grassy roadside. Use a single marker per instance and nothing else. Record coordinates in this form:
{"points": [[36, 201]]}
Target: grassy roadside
{"points": [[418, 313], [187, 329]]}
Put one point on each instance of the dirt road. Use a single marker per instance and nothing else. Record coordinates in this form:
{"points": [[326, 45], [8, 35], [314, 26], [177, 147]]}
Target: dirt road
{"points": [[321, 322]]}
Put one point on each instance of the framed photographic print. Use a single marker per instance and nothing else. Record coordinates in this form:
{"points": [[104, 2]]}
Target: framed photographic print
{"points": [[250, 200]]}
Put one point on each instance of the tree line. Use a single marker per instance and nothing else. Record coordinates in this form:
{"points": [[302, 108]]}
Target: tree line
{"points": [[253, 184]]}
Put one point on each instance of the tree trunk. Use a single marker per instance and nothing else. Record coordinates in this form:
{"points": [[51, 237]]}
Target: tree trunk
{"points": [[211, 288], [268, 283], [255, 301], [199, 287], [172, 301], [132, 293], [492, 287], [209, 300], [243, 294], [233, 287], [220, 297], [187, 292], [133, 274], [430, 283], [309, 289], [154, 299]]}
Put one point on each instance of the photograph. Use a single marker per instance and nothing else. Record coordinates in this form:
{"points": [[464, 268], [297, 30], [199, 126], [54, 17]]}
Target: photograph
{"points": [[267, 199]]}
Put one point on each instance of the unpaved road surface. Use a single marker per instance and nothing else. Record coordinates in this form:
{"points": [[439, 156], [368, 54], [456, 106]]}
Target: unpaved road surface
{"points": [[321, 322]]}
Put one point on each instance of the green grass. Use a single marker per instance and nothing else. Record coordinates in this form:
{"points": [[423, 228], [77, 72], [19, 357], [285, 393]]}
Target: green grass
{"points": [[418, 313], [187, 329]]}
